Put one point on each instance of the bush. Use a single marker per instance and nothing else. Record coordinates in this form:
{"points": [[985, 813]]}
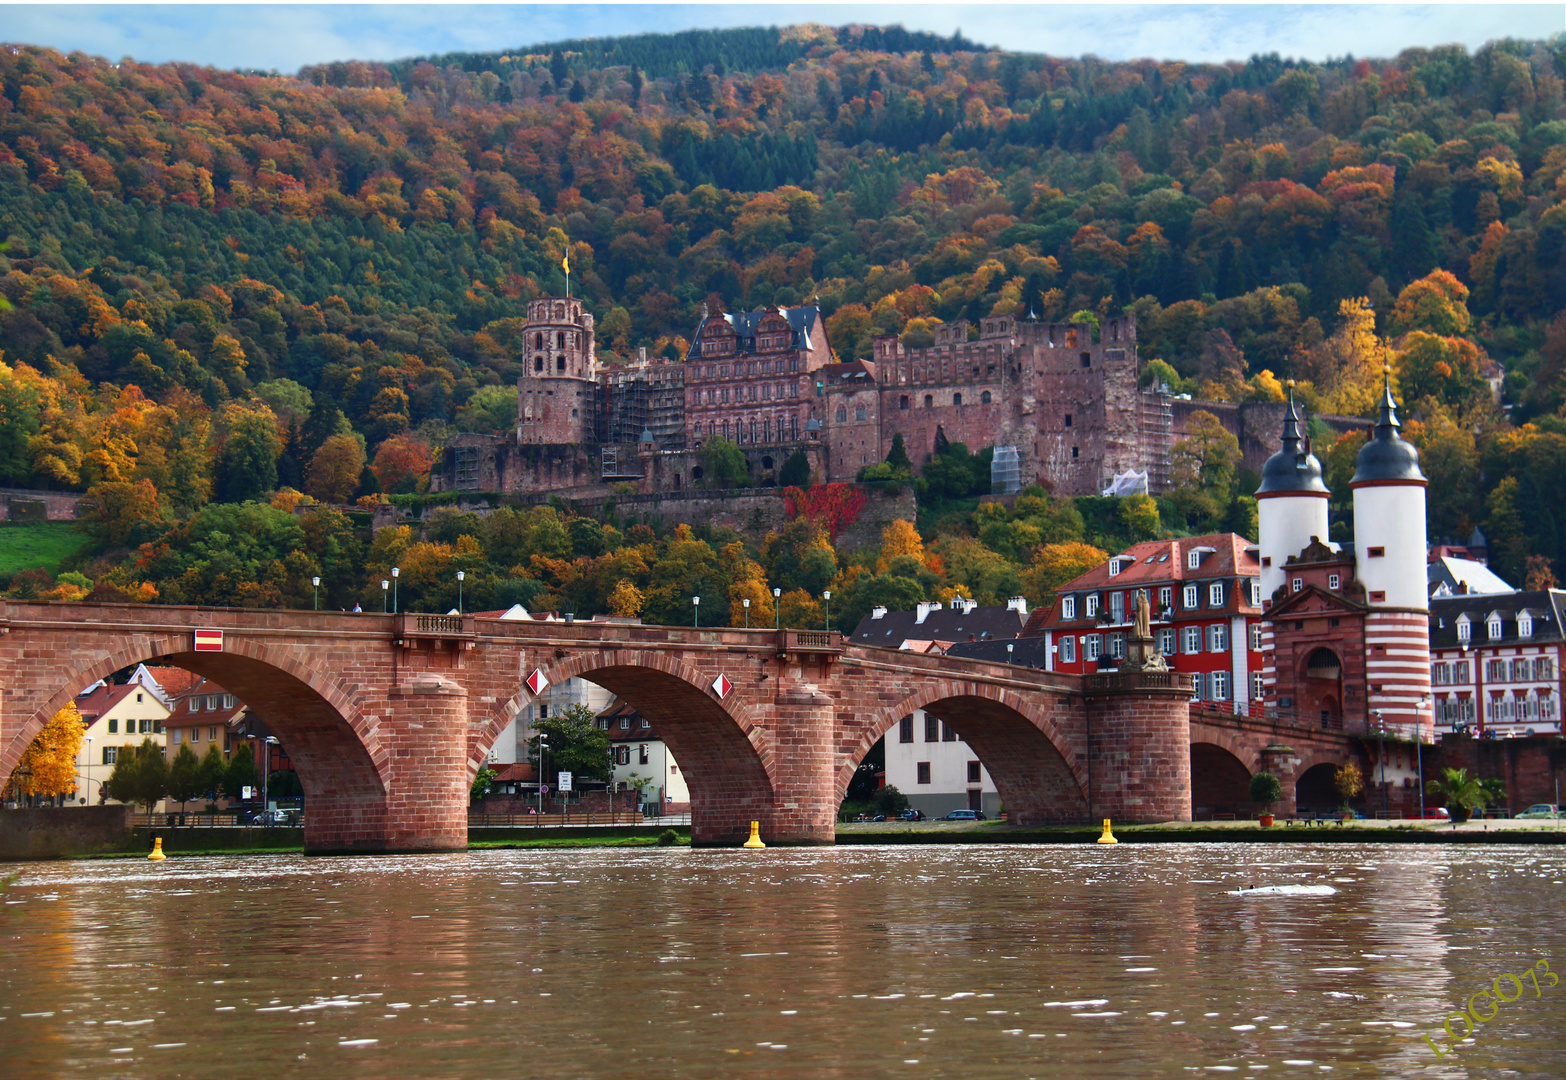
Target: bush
{"points": [[890, 801], [668, 837], [1265, 789]]}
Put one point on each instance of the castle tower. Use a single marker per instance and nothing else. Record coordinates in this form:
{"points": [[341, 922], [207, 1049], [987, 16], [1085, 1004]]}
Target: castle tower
{"points": [[1389, 549], [556, 395], [1291, 503]]}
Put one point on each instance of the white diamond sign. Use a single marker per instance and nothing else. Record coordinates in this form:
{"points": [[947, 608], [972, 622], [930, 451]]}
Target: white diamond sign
{"points": [[721, 686], [537, 681]]}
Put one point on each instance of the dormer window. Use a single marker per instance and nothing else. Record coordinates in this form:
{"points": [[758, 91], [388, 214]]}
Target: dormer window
{"points": [[1114, 567], [1068, 608], [1297, 584], [1215, 595], [1189, 597], [1464, 628], [1092, 606], [1255, 593], [1333, 581], [1493, 628], [1193, 560], [1524, 624]]}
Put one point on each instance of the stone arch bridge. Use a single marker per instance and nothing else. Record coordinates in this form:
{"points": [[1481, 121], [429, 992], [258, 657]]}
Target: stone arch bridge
{"points": [[388, 717]]}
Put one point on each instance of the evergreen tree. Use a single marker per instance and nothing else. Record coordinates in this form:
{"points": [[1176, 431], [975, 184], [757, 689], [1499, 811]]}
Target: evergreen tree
{"points": [[897, 457], [210, 779], [184, 781], [241, 772], [796, 470]]}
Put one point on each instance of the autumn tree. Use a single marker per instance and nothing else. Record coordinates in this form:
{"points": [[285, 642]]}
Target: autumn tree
{"points": [[401, 463], [626, 600], [1055, 564], [117, 511], [335, 469], [247, 463], [48, 765], [898, 539], [723, 463]]}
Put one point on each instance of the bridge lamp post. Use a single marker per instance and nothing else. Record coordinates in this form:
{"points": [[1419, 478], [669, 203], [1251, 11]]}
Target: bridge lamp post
{"points": [[1381, 732], [777, 607], [89, 768], [396, 570], [460, 575], [745, 603], [827, 596], [543, 747], [696, 611], [315, 583], [1419, 750], [384, 586]]}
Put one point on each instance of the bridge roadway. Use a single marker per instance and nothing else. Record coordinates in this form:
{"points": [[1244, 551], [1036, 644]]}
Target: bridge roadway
{"points": [[387, 718]]}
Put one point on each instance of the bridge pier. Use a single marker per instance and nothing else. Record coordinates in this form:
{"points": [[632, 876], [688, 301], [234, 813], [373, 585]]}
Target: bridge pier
{"points": [[1283, 763], [425, 804], [1139, 746]]}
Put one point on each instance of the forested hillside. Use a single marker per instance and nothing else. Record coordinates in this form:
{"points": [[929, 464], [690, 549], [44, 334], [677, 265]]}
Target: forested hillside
{"points": [[214, 285]]}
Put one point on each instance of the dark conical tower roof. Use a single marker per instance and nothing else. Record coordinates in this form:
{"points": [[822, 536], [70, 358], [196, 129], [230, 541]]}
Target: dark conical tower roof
{"points": [[1293, 468], [1387, 458]]}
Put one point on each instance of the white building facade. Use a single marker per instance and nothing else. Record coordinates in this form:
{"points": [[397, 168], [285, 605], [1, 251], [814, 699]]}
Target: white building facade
{"points": [[928, 762]]}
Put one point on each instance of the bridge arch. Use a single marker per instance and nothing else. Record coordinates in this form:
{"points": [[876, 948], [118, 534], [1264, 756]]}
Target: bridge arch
{"points": [[1032, 762], [727, 758], [334, 747], [1220, 776]]}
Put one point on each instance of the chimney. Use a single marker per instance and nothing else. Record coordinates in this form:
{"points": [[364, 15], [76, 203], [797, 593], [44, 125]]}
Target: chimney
{"points": [[878, 612], [1019, 604], [925, 607], [570, 616]]}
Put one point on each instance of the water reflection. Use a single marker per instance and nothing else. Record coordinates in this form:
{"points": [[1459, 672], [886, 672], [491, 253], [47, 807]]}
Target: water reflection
{"points": [[849, 962]]}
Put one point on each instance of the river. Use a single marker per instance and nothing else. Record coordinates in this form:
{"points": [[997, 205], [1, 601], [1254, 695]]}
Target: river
{"points": [[853, 962]]}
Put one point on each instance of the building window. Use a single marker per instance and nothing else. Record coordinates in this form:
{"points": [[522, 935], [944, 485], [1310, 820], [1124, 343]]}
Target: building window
{"points": [[1544, 667], [1333, 581], [859, 412], [1117, 606], [1495, 670], [1464, 628], [1068, 610], [1520, 670], [902, 402], [842, 414], [1493, 627], [932, 729], [905, 729], [984, 398], [1258, 686], [1256, 637], [111, 754], [1091, 644], [1193, 560], [195, 735], [1117, 646], [1255, 593], [1166, 642], [1220, 681], [1193, 639], [1524, 625], [1068, 649], [922, 773], [1189, 597], [1215, 595], [956, 399], [1068, 419], [114, 726], [625, 723], [973, 772], [1166, 597], [947, 734], [1074, 453], [1217, 638], [1460, 671], [641, 754], [178, 734], [1376, 552], [1297, 584], [138, 699]]}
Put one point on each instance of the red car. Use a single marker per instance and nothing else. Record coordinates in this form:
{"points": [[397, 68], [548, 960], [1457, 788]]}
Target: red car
{"points": [[1437, 813]]}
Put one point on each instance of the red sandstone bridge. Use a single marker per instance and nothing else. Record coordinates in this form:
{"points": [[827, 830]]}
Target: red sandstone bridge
{"points": [[387, 718]]}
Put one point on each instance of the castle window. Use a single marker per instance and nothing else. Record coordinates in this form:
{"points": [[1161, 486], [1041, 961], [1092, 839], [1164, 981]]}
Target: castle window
{"points": [[1333, 581], [842, 414], [1074, 453], [538, 341], [929, 401], [793, 363], [859, 412], [1068, 419], [902, 402], [725, 395], [752, 394], [560, 340], [1297, 584], [984, 398], [956, 399], [1087, 360], [538, 363], [560, 363], [753, 368]]}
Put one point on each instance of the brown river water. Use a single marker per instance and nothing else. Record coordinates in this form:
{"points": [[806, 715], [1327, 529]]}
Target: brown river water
{"points": [[971, 962]]}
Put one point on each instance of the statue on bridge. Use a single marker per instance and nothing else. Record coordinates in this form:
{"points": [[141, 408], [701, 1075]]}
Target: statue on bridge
{"points": [[1141, 653], [1144, 615]]}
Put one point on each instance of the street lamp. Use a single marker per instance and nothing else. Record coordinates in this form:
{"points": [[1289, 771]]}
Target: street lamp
{"points": [[460, 575], [696, 610], [1009, 648], [543, 747], [266, 774], [827, 596], [315, 583], [777, 607], [384, 586], [396, 570], [745, 603], [1381, 731], [89, 768], [1419, 749]]}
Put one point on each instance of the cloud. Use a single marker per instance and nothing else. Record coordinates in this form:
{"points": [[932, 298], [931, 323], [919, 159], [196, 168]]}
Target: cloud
{"points": [[285, 37]]}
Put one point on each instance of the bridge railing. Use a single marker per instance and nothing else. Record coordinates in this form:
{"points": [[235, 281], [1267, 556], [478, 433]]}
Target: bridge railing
{"points": [[413, 624], [1108, 682]]}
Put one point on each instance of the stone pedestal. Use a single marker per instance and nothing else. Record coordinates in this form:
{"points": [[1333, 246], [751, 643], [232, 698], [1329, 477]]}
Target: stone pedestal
{"points": [[1139, 745], [1283, 763]]}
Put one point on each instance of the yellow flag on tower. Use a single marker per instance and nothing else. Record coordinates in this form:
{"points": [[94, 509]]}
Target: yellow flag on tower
{"points": [[565, 263]]}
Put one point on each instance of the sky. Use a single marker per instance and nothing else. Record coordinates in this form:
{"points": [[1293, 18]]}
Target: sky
{"points": [[286, 37]]}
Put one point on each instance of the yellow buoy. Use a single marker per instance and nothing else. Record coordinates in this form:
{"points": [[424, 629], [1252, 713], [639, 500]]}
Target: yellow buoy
{"points": [[1108, 837], [755, 835], [157, 848]]}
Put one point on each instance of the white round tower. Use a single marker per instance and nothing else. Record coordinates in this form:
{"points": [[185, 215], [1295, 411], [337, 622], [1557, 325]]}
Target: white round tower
{"points": [[1291, 504], [1389, 517]]}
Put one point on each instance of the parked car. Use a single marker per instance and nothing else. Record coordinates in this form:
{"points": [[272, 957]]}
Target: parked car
{"points": [[1437, 813], [963, 815], [1541, 810], [911, 815], [276, 817]]}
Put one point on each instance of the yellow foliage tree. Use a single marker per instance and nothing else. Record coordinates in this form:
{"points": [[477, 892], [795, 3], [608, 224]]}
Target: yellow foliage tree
{"points": [[1347, 366], [48, 765], [1055, 564], [626, 600], [898, 539]]}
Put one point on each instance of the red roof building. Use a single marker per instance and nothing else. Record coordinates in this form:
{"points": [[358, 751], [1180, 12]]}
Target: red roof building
{"points": [[1204, 594]]}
